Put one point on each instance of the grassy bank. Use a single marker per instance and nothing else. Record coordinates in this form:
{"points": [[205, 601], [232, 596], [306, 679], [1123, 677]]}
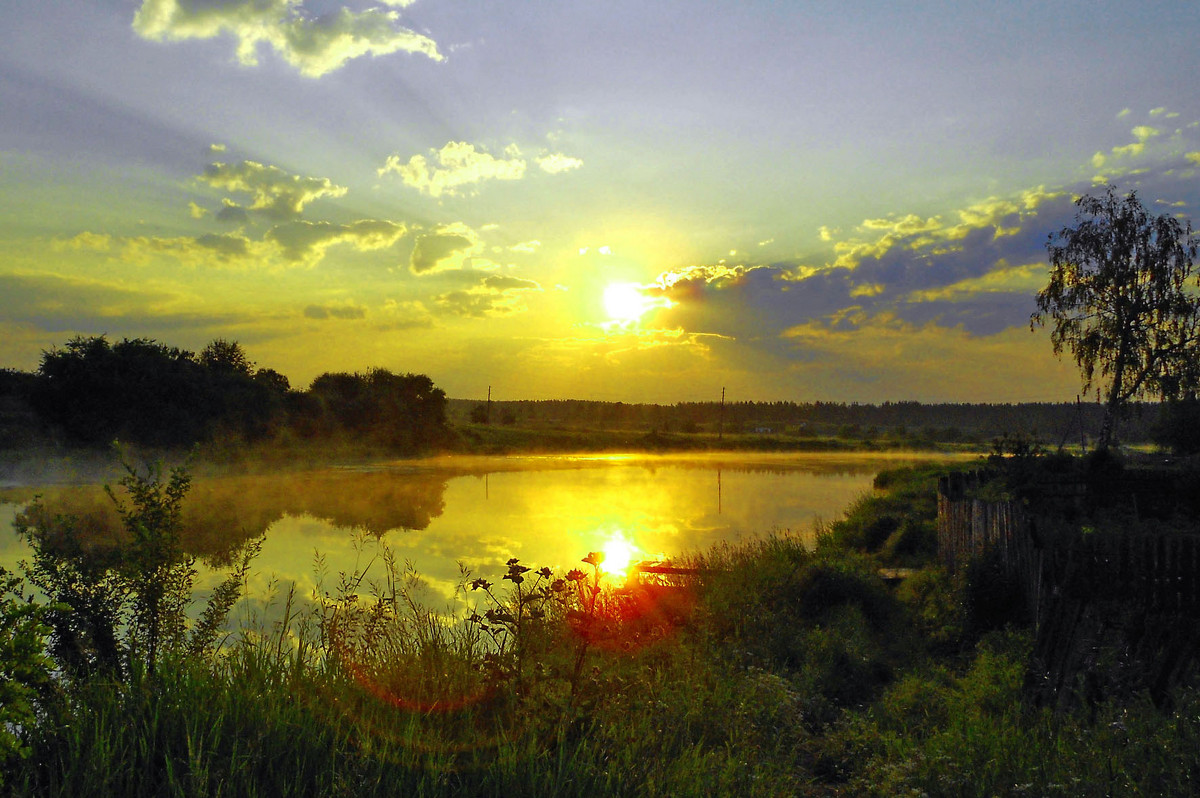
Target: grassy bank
{"points": [[776, 670]]}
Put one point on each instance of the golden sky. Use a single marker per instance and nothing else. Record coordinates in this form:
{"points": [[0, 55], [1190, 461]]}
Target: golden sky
{"points": [[625, 201]]}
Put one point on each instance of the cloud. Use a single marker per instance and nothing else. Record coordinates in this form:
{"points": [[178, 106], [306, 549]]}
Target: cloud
{"points": [[557, 163], [56, 302], [1104, 162], [307, 241], [530, 247], [456, 165], [953, 270], [315, 46], [323, 312], [205, 251], [476, 305], [1026, 280], [494, 295], [504, 282], [96, 242], [273, 192], [992, 217], [433, 250]]}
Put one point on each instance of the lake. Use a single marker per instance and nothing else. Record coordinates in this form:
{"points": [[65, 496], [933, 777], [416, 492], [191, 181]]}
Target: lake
{"points": [[439, 513]]}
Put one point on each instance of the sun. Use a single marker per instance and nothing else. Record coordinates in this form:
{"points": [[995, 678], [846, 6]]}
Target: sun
{"points": [[625, 302], [619, 554]]}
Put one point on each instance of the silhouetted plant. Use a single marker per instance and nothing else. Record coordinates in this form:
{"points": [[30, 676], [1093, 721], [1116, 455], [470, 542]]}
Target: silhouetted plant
{"points": [[127, 606], [507, 621]]}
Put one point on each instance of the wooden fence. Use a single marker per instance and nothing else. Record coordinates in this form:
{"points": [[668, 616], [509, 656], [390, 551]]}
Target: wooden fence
{"points": [[968, 527], [1159, 570], [1077, 584]]}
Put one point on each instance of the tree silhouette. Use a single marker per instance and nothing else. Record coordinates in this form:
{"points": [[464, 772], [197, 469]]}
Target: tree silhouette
{"points": [[225, 356], [1122, 299]]}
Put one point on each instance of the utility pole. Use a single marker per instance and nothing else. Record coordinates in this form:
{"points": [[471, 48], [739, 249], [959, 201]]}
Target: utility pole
{"points": [[721, 418], [489, 406]]}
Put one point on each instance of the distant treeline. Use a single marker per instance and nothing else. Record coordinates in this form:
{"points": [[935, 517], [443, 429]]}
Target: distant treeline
{"points": [[1051, 423], [139, 391]]}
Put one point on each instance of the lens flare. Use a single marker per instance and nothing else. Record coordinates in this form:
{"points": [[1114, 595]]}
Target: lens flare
{"points": [[619, 554]]}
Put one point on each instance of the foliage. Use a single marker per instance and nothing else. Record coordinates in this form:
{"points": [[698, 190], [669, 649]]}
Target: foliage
{"points": [[1178, 427], [115, 611], [480, 414], [1121, 299], [778, 670], [144, 392], [405, 411], [896, 522], [24, 668]]}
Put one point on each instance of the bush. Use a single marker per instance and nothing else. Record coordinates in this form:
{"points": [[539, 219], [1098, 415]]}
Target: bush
{"points": [[992, 596], [114, 610], [24, 668]]}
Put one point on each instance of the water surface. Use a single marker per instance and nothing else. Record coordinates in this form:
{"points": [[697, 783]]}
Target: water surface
{"points": [[445, 514]]}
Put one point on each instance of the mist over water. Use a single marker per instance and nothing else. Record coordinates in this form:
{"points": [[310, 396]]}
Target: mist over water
{"points": [[435, 514]]}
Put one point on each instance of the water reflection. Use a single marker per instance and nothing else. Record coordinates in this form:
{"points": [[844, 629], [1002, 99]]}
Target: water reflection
{"points": [[481, 511], [221, 513]]}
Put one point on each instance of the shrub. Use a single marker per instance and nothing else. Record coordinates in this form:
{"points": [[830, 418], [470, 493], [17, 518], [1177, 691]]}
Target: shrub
{"points": [[111, 610], [992, 596], [24, 668]]}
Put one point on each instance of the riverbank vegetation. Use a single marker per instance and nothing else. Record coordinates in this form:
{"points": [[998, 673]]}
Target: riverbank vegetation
{"points": [[768, 668]]}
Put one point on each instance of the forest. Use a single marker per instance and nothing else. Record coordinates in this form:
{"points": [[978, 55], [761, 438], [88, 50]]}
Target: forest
{"points": [[142, 392]]}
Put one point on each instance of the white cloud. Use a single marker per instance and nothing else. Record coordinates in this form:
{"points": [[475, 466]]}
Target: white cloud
{"points": [[454, 166], [557, 163], [313, 45]]}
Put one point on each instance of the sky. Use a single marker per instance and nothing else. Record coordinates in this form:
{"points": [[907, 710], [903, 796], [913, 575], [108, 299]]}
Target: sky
{"points": [[621, 201]]}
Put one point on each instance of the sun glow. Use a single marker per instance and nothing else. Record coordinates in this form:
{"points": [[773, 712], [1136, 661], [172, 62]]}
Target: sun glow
{"points": [[619, 554], [625, 302]]}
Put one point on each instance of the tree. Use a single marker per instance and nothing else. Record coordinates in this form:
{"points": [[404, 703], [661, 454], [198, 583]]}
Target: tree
{"points": [[1122, 299], [225, 356]]}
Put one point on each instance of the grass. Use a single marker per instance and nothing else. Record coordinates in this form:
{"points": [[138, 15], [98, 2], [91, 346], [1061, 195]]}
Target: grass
{"points": [[779, 671]]}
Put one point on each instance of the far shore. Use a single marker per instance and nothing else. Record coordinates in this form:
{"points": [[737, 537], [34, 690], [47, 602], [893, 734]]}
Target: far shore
{"points": [[57, 465]]}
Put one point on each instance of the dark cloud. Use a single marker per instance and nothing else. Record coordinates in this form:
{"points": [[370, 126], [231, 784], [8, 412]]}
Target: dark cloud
{"points": [[431, 250], [335, 312], [951, 275], [232, 212], [494, 295], [468, 303], [504, 282], [63, 305], [302, 240], [226, 246]]}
